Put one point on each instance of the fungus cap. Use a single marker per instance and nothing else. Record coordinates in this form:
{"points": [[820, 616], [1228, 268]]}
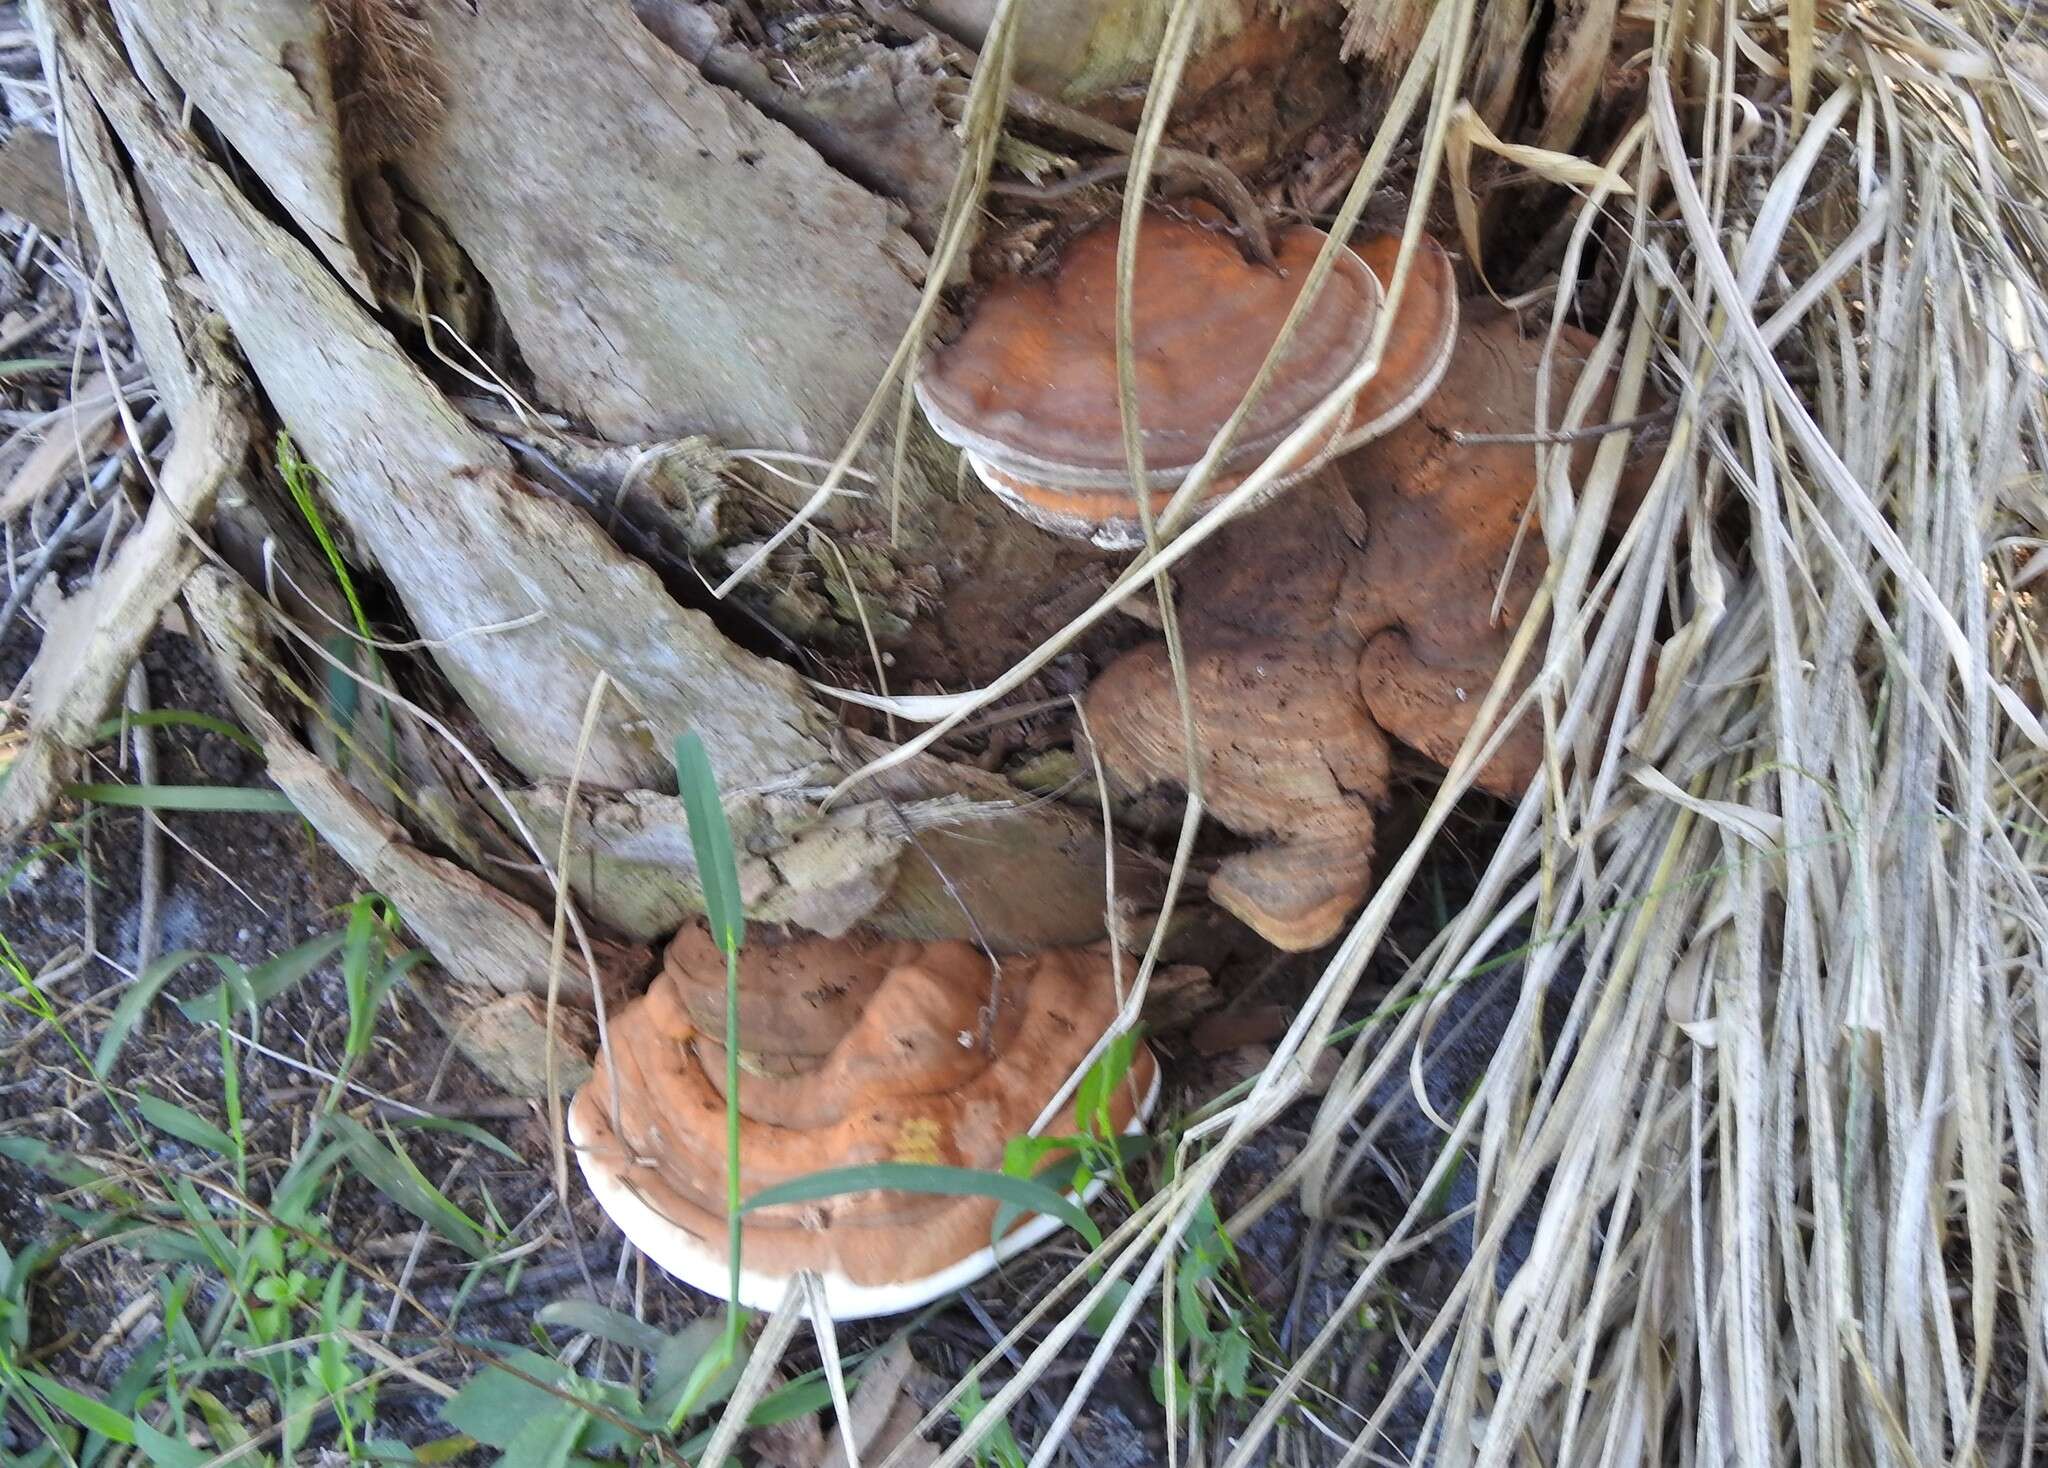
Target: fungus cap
{"points": [[1419, 344], [1030, 388], [1289, 757], [907, 1080]]}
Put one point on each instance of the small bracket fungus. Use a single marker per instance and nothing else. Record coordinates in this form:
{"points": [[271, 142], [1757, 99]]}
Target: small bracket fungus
{"points": [[1362, 607], [856, 1051], [1029, 390], [1289, 754]]}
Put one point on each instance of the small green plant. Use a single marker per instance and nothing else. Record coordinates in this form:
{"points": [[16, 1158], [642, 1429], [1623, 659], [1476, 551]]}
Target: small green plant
{"points": [[284, 1299], [997, 1450], [1218, 1327], [718, 873], [352, 655]]}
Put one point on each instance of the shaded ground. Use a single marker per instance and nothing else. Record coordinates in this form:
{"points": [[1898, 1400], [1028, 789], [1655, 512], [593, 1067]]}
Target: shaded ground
{"points": [[254, 886]]}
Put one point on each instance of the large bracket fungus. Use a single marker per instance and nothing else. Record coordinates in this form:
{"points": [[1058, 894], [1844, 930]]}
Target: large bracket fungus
{"points": [[855, 1051], [1359, 608], [1029, 389]]}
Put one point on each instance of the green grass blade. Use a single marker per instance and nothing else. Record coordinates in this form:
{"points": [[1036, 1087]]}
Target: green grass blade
{"points": [[137, 998], [393, 1174], [919, 1177], [165, 1451], [94, 1414], [263, 983], [176, 718], [237, 799], [298, 476], [711, 840], [174, 1120], [467, 1129], [591, 1318]]}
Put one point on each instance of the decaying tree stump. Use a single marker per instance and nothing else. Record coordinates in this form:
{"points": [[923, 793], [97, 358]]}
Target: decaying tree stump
{"points": [[568, 306]]}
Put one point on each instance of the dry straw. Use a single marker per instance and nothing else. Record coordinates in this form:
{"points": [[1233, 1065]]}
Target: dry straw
{"points": [[1789, 1156]]}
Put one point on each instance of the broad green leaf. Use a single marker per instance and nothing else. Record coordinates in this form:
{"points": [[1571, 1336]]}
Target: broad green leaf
{"points": [[393, 1174], [719, 1366], [809, 1393], [592, 1318], [678, 1363], [918, 1177], [134, 1000], [89, 1411], [1092, 1096], [238, 799], [547, 1440], [494, 1403], [711, 840], [176, 1121]]}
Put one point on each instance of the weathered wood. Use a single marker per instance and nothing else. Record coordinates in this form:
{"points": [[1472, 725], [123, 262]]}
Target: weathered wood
{"points": [[668, 258], [873, 113], [524, 600], [32, 184], [92, 638], [506, 1037], [259, 70], [164, 325], [477, 933], [944, 852]]}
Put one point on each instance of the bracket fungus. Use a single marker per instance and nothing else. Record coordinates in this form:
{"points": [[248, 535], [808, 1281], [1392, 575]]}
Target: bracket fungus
{"points": [[857, 1051], [1029, 389], [1419, 345], [1375, 603]]}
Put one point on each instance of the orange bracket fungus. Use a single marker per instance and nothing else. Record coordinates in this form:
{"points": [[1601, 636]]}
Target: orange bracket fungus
{"points": [[1289, 755], [1029, 389], [1361, 608], [856, 1051], [1419, 346]]}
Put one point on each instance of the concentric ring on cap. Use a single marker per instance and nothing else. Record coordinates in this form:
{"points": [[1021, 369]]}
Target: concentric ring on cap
{"points": [[1031, 386]]}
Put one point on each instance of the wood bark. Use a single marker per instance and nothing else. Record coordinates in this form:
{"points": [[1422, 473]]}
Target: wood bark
{"points": [[666, 256]]}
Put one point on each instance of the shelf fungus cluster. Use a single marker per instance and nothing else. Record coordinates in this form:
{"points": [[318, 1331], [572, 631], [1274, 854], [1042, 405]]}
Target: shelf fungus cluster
{"points": [[855, 1051], [1029, 389], [1372, 602]]}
